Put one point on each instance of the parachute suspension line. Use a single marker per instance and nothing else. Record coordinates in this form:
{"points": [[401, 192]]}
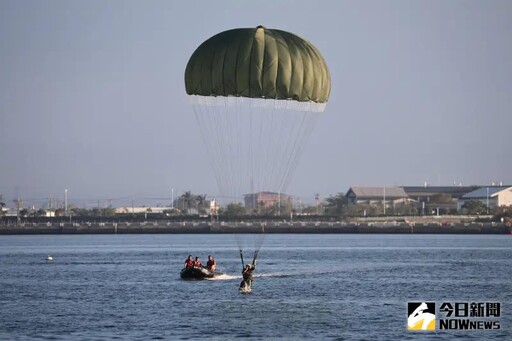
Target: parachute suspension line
{"points": [[258, 140], [223, 134], [251, 150], [270, 140], [294, 140], [242, 257], [259, 243], [274, 153], [242, 153], [205, 135], [212, 119], [253, 144], [236, 149], [237, 177], [227, 133], [217, 140], [308, 123], [276, 147], [286, 129], [231, 119], [256, 147], [212, 125], [239, 243], [257, 246], [244, 157], [289, 130], [292, 127]]}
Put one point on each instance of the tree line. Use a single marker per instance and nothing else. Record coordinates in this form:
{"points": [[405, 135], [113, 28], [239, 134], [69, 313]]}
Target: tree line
{"points": [[334, 206]]}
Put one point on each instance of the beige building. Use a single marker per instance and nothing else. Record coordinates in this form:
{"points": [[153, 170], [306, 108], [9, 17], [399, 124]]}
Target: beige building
{"points": [[376, 195], [267, 199], [491, 196]]}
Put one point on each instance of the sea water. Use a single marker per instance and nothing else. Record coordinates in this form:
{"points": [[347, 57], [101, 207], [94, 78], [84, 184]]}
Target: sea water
{"points": [[314, 286]]}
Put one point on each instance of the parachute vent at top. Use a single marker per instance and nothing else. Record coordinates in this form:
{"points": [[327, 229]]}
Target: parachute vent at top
{"points": [[258, 63]]}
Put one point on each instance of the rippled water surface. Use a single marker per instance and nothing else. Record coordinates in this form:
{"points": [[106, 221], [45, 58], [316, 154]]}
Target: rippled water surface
{"points": [[307, 286]]}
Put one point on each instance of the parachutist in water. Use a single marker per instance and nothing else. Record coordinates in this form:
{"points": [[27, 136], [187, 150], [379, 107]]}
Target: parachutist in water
{"points": [[248, 277]]}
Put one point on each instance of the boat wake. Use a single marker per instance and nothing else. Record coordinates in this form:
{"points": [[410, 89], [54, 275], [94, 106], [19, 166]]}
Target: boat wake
{"points": [[226, 277], [223, 277]]}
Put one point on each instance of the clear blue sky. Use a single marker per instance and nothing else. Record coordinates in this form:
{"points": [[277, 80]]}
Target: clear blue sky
{"points": [[92, 94]]}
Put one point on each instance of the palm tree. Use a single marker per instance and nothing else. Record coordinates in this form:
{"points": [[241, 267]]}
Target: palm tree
{"points": [[2, 205], [335, 204], [188, 200], [201, 203]]}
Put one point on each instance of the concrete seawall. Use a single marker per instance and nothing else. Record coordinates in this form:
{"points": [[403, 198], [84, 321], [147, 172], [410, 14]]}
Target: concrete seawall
{"points": [[253, 227]]}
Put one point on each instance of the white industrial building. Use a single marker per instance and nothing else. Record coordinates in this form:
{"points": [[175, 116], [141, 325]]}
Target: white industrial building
{"points": [[491, 196]]}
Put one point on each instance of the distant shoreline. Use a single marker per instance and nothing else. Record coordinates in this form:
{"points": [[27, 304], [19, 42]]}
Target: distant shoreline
{"points": [[252, 227]]}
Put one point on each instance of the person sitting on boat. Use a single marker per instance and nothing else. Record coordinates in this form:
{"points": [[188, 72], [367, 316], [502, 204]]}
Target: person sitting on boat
{"points": [[247, 274], [189, 262], [211, 265], [197, 262]]}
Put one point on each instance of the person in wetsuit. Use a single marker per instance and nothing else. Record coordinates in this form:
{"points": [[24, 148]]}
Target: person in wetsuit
{"points": [[247, 275]]}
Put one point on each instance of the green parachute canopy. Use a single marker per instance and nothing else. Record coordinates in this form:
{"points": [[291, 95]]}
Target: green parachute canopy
{"points": [[258, 63]]}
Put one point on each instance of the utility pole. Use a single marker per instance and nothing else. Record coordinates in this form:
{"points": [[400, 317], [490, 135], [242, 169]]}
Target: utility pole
{"points": [[279, 204], [66, 202], [487, 200], [19, 206], [384, 201]]}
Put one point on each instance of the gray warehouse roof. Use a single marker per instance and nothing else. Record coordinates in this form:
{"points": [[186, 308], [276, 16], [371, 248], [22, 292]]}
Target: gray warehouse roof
{"points": [[378, 192], [482, 193]]}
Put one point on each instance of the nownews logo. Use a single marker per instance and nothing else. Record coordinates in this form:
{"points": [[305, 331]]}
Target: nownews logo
{"points": [[421, 316], [454, 316], [466, 316]]}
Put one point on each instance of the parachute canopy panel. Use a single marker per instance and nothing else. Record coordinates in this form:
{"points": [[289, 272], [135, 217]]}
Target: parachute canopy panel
{"points": [[258, 63]]}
